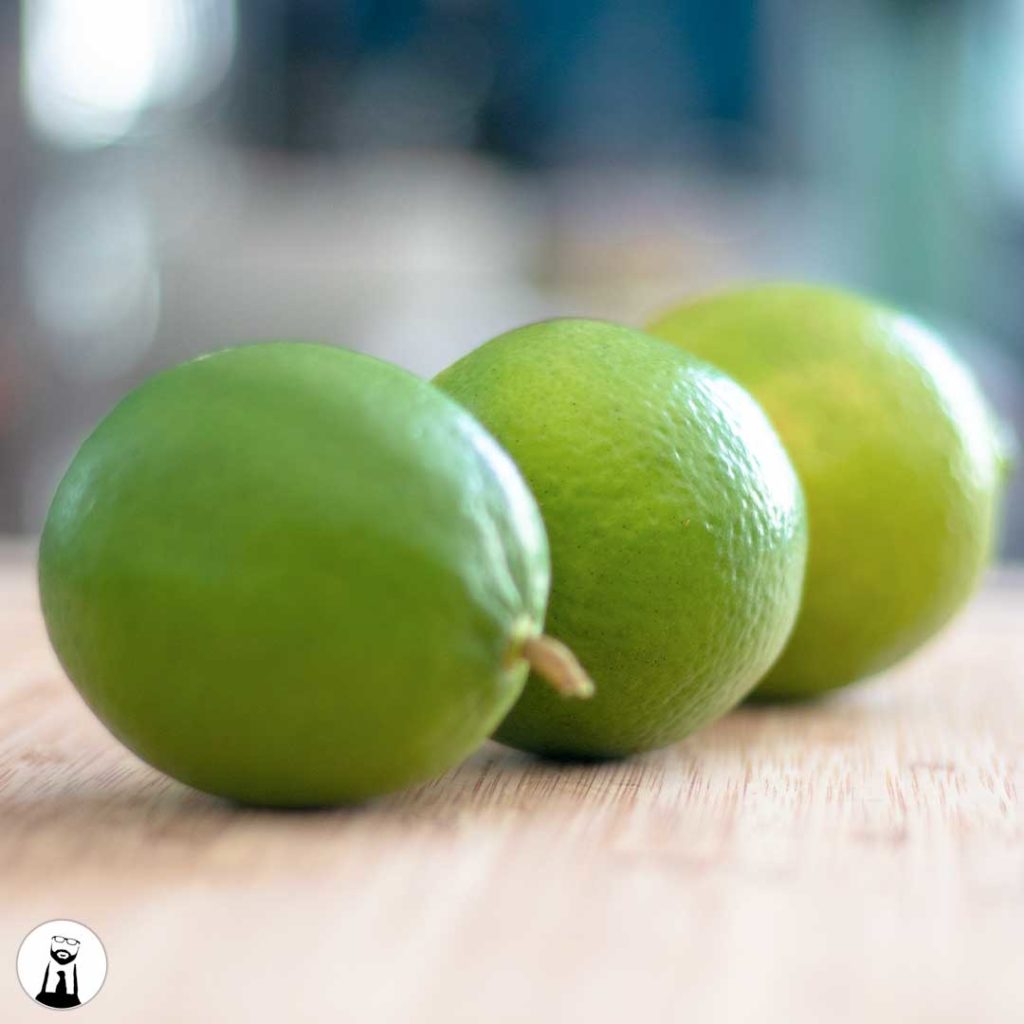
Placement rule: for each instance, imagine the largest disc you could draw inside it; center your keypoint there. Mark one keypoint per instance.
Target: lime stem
(557, 666)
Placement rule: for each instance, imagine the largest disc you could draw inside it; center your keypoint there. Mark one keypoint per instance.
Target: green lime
(675, 520)
(899, 458)
(294, 575)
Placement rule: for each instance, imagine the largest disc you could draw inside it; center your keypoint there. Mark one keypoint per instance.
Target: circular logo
(61, 964)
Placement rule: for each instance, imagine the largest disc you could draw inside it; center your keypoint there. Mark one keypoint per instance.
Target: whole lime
(675, 520)
(899, 459)
(294, 575)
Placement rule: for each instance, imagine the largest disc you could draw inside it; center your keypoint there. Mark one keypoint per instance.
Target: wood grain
(860, 859)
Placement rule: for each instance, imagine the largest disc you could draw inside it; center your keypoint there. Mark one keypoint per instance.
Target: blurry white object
(91, 67)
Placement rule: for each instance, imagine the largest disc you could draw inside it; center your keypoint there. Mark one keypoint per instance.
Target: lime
(294, 575)
(675, 520)
(899, 458)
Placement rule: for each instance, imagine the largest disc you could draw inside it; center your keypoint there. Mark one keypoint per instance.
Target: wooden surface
(857, 860)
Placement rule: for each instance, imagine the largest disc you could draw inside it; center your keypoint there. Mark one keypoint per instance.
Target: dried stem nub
(558, 666)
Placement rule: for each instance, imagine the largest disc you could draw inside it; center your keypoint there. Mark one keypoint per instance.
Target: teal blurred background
(409, 178)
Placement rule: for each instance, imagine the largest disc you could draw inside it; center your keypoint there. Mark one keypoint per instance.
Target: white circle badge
(61, 964)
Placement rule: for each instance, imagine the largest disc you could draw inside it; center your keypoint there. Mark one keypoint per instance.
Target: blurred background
(411, 177)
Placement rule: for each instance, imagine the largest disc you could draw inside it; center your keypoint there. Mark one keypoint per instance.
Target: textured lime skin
(293, 575)
(898, 457)
(675, 520)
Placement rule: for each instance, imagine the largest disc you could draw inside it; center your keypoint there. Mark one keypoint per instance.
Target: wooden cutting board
(859, 859)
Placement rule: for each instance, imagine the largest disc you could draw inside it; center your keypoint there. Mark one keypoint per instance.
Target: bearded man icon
(55, 990)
